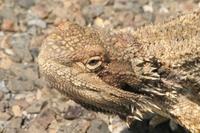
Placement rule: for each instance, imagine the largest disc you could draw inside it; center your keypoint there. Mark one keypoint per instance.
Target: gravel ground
(26, 104)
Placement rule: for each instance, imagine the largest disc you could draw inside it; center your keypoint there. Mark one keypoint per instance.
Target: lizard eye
(93, 63)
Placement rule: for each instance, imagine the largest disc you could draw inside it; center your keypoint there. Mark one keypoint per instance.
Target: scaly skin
(155, 68)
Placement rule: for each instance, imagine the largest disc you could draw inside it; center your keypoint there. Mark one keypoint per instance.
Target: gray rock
(3, 87)
(73, 112)
(20, 44)
(36, 107)
(25, 3)
(35, 129)
(4, 105)
(4, 116)
(98, 126)
(2, 34)
(10, 130)
(8, 96)
(77, 126)
(33, 30)
(127, 5)
(25, 72)
(37, 22)
(149, 16)
(1, 95)
(2, 126)
(4, 74)
(8, 13)
(42, 121)
(34, 52)
(17, 86)
(39, 83)
(15, 123)
(92, 11)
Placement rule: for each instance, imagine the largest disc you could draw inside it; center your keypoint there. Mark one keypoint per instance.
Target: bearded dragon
(155, 68)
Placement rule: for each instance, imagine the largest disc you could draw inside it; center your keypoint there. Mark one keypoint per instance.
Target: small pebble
(16, 111)
(4, 116)
(7, 25)
(1, 95)
(3, 87)
(37, 22)
(148, 8)
(25, 3)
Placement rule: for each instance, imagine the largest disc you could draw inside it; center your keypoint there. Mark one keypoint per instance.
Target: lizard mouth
(141, 90)
(130, 88)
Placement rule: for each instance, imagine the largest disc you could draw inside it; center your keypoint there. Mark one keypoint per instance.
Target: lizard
(155, 68)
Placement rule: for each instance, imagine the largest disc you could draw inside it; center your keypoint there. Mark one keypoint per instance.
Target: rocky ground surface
(26, 104)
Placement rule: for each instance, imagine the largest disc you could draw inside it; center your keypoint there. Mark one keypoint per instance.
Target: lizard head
(81, 63)
(89, 51)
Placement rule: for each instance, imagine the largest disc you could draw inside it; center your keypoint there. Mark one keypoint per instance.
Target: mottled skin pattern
(153, 69)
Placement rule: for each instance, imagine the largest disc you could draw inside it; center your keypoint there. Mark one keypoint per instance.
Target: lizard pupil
(93, 62)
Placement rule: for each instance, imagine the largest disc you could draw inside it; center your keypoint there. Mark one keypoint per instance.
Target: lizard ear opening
(94, 63)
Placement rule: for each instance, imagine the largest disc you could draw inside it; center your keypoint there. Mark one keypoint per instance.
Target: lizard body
(153, 69)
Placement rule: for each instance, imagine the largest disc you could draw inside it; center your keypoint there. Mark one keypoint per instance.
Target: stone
(15, 122)
(25, 3)
(5, 62)
(73, 112)
(36, 107)
(117, 125)
(9, 52)
(17, 111)
(34, 52)
(53, 127)
(40, 10)
(36, 129)
(139, 20)
(149, 17)
(30, 98)
(92, 11)
(1, 95)
(4, 105)
(102, 23)
(20, 43)
(99, 1)
(17, 86)
(163, 10)
(143, 2)
(148, 8)
(8, 13)
(39, 94)
(22, 103)
(98, 126)
(42, 121)
(135, 7)
(37, 22)
(7, 25)
(2, 126)
(11, 130)
(4, 116)
(8, 96)
(77, 126)
(25, 72)
(3, 87)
